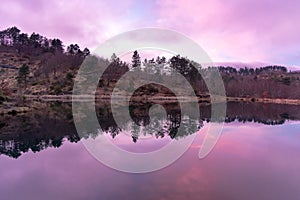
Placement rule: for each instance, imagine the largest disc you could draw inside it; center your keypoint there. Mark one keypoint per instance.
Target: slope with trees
(51, 68)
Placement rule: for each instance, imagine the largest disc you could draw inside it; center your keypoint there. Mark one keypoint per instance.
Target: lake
(256, 157)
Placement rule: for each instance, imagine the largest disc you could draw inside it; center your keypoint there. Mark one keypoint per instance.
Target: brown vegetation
(52, 70)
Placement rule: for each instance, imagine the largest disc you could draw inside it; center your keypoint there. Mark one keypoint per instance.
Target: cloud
(243, 30)
(73, 22)
(247, 31)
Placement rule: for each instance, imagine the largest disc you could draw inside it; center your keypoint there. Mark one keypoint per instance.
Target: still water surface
(43, 158)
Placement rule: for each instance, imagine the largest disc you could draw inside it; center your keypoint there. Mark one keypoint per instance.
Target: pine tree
(136, 60)
(23, 75)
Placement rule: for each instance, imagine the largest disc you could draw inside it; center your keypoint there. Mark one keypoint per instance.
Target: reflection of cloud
(143, 145)
(65, 173)
(248, 162)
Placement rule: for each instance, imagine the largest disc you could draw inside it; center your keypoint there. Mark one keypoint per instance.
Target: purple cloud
(265, 31)
(246, 30)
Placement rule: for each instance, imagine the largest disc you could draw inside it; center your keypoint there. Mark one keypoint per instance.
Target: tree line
(262, 82)
(58, 65)
(13, 37)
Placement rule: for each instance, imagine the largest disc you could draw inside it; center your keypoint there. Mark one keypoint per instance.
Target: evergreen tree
(86, 52)
(57, 45)
(114, 58)
(136, 60)
(73, 49)
(23, 75)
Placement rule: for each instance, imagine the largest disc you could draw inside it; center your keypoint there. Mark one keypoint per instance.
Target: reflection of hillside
(50, 124)
(269, 114)
(45, 127)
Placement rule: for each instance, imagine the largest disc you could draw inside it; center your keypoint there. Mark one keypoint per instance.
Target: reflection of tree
(106, 121)
(46, 127)
(140, 122)
(51, 124)
(269, 114)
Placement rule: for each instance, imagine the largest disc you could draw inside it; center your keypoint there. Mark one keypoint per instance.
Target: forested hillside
(36, 65)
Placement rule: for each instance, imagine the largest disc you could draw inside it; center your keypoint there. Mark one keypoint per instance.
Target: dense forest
(35, 65)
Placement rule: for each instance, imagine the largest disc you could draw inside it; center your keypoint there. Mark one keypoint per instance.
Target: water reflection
(48, 125)
(160, 125)
(250, 161)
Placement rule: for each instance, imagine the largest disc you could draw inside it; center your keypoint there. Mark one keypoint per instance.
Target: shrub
(69, 76)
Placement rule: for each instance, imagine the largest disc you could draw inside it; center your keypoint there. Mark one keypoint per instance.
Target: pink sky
(234, 30)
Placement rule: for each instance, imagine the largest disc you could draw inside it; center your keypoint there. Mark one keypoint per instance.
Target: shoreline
(69, 98)
(14, 109)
